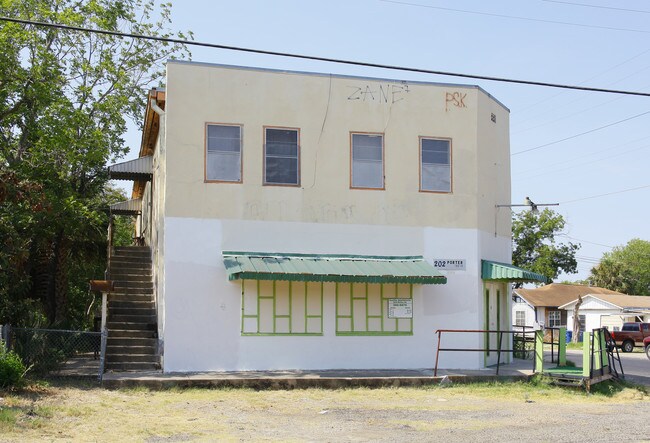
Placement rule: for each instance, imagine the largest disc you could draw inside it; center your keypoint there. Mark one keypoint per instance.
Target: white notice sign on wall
(400, 308)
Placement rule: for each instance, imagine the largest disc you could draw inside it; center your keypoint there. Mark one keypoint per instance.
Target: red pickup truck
(630, 335)
(646, 343)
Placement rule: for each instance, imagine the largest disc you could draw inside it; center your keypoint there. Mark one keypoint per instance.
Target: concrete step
(130, 267)
(125, 260)
(133, 277)
(126, 367)
(132, 304)
(117, 259)
(131, 296)
(130, 349)
(121, 284)
(134, 309)
(131, 326)
(131, 341)
(131, 318)
(131, 358)
(132, 250)
(132, 334)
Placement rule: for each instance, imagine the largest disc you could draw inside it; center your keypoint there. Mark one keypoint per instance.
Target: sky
(587, 151)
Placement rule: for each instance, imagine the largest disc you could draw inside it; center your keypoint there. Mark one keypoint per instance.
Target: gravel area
(500, 413)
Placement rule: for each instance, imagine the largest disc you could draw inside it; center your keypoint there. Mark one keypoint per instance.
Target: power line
(581, 134)
(597, 6)
(515, 17)
(572, 167)
(603, 195)
(323, 59)
(586, 241)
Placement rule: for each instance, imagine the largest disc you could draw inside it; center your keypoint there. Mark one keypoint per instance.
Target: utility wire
(515, 17)
(597, 6)
(581, 134)
(603, 195)
(322, 59)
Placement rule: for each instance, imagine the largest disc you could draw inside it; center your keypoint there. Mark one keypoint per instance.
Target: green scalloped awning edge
(495, 271)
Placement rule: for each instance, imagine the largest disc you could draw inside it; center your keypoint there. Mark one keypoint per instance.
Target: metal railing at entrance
(499, 349)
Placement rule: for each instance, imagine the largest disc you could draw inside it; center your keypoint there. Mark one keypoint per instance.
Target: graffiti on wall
(385, 94)
(456, 99)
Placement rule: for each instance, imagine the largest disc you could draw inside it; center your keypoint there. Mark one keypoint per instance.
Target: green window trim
(354, 329)
(273, 297)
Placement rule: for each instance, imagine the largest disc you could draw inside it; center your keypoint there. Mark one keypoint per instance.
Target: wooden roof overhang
(150, 131)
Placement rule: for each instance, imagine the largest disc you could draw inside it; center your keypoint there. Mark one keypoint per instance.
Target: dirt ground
(461, 413)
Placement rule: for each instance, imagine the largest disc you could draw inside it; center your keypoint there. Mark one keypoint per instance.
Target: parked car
(646, 343)
(630, 335)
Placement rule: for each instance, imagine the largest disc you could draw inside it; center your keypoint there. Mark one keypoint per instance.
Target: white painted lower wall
(202, 309)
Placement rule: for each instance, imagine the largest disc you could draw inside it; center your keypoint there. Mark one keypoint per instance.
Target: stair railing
(107, 276)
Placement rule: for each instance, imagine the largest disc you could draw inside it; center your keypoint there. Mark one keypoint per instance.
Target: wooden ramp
(574, 376)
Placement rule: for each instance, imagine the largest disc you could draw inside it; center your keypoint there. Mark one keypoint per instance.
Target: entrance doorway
(496, 319)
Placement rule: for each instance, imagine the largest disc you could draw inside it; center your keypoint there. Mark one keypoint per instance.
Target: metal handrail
(499, 349)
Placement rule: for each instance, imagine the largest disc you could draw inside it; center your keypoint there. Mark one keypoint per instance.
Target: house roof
(622, 301)
(558, 294)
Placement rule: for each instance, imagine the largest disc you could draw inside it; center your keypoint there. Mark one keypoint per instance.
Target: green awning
(491, 270)
(330, 268)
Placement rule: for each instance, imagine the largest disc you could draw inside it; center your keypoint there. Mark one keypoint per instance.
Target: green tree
(65, 98)
(535, 247)
(625, 269)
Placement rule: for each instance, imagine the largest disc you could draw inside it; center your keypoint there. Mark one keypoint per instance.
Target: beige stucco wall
(327, 109)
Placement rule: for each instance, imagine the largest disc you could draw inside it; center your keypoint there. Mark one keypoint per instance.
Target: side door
(495, 320)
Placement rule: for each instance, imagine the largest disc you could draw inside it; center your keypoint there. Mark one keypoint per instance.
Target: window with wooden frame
(554, 319)
(365, 309)
(435, 164)
(282, 308)
(281, 156)
(367, 159)
(223, 149)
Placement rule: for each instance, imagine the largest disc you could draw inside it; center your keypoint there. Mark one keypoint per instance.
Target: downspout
(156, 108)
(160, 316)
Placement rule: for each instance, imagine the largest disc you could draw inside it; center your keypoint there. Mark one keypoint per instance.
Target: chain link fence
(56, 353)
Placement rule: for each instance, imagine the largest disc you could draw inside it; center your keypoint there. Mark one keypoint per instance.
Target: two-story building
(314, 221)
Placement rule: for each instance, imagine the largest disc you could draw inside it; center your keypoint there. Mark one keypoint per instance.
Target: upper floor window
(367, 161)
(281, 156)
(435, 164)
(223, 153)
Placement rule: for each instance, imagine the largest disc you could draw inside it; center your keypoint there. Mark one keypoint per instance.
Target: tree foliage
(65, 97)
(535, 247)
(625, 269)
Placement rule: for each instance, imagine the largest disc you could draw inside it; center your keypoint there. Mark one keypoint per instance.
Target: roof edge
(323, 74)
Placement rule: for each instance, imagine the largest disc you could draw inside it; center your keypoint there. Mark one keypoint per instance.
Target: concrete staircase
(132, 321)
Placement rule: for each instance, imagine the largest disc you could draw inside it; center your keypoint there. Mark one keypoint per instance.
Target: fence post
(5, 334)
(102, 350)
(539, 350)
(561, 351)
(586, 355)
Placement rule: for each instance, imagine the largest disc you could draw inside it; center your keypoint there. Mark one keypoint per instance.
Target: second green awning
(330, 268)
(491, 270)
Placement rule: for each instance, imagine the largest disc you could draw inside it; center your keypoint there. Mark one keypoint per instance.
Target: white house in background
(317, 221)
(543, 304)
(609, 310)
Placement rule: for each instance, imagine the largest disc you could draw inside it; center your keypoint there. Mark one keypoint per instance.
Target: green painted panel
(491, 270)
(330, 268)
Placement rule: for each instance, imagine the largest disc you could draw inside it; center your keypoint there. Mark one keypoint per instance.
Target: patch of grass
(8, 418)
